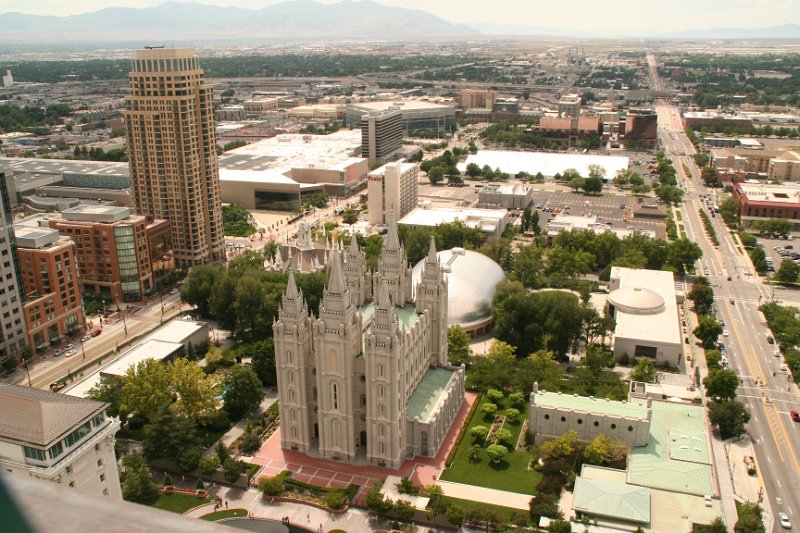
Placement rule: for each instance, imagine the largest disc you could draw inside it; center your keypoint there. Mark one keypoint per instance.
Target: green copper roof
(611, 499)
(676, 457)
(407, 315)
(590, 405)
(426, 395)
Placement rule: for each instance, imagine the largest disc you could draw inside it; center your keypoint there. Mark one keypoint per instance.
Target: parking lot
(610, 208)
(777, 256)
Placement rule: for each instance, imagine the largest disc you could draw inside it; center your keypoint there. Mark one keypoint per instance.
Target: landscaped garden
(473, 463)
(179, 503)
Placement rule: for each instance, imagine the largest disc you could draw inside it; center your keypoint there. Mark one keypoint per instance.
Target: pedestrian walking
(226, 504)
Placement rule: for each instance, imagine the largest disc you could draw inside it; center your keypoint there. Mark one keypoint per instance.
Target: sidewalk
(238, 429)
(724, 481)
(306, 516)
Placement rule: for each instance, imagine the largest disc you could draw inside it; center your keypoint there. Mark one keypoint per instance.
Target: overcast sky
(658, 15)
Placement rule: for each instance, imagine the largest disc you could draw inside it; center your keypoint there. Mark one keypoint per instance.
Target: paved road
(766, 389)
(44, 371)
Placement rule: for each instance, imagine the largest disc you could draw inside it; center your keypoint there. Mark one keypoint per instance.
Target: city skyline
(580, 15)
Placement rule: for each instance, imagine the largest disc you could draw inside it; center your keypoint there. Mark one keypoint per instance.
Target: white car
(724, 332)
(783, 518)
(70, 353)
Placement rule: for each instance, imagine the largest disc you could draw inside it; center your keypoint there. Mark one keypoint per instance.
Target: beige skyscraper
(169, 122)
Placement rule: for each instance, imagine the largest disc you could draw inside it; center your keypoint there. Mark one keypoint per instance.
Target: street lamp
(25, 364)
(119, 311)
(83, 352)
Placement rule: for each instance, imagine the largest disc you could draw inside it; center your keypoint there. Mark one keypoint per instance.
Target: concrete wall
(667, 354)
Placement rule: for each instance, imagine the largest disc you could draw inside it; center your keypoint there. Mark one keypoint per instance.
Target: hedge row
(463, 430)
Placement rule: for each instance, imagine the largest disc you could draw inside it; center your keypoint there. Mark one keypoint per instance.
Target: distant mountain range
(298, 20)
(785, 31)
(293, 20)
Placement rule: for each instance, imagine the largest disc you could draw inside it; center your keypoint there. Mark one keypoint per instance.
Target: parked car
(795, 416)
(750, 464)
(87, 338)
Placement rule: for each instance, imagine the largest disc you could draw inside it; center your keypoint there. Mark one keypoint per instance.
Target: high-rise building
(12, 297)
(169, 122)
(391, 188)
(381, 135)
(368, 380)
(53, 309)
(569, 106)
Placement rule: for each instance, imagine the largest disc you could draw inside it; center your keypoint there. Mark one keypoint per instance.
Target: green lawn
(510, 474)
(508, 513)
(227, 513)
(179, 503)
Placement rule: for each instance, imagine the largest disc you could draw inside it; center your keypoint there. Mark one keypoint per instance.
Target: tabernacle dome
(471, 281)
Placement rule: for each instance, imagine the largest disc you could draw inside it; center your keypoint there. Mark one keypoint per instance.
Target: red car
(795, 416)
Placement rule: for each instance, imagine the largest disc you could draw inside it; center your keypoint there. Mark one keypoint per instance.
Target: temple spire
(291, 287)
(336, 282)
(392, 239)
(432, 251)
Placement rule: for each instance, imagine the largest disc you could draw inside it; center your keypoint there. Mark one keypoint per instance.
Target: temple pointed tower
(294, 361)
(356, 274)
(386, 369)
(431, 296)
(393, 267)
(337, 343)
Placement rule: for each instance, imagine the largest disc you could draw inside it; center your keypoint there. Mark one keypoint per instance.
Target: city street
(765, 389)
(44, 371)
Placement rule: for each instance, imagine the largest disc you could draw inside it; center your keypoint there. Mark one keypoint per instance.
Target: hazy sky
(658, 15)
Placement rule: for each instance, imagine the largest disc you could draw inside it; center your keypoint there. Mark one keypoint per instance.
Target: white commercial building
(491, 221)
(391, 188)
(643, 304)
(58, 438)
(548, 163)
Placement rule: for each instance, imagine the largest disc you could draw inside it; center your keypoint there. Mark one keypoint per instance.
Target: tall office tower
(169, 122)
(381, 135)
(12, 296)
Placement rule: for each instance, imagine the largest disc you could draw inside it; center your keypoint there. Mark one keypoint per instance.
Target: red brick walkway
(327, 473)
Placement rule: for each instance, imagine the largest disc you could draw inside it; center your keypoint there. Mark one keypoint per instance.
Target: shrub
(167, 480)
(271, 486)
(517, 399)
(209, 465)
(461, 432)
(403, 509)
(220, 422)
(488, 409)
(503, 436)
(512, 414)
(334, 499)
(479, 433)
(496, 452)
(494, 395)
(249, 444)
(187, 460)
(232, 469)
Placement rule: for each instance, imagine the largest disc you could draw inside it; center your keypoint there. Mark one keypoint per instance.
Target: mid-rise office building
(12, 320)
(58, 438)
(119, 255)
(569, 106)
(169, 122)
(381, 135)
(477, 98)
(419, 116)
(53, 309)
(392, 188)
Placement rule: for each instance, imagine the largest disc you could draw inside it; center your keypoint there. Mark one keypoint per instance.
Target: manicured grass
(179, 503)
(337, 531)
(508, 513)
(510, 474)
(227, 513)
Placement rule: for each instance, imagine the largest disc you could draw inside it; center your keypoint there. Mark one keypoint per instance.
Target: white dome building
(471, 281)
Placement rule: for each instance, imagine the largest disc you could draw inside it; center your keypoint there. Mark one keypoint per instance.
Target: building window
(68, 470)
(72, 484)
(613, 426)
(55, 450)
(547, 417)
(33, 453)
(99, 462)
(102, 478)
(630, 428)
(335, 396)
(97, 447)
(563, 418)
(596, 424)
(580, 421)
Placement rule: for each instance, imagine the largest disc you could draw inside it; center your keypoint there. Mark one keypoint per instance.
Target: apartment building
(477, 98)
(58, 438)
(569, 106)
(119, 255)
(169, 122)
(53, 308)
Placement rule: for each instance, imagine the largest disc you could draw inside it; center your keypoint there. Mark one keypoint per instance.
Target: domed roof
(637, 301)
(471, 281)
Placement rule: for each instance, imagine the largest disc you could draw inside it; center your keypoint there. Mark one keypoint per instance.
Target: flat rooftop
(404, 167)
(177, 331)
(677, 456)
(486, 220)
(786, 194)
(150, 349)
(652, 325)
(613, 498)
(403, 105)
(428, 394)
(585, 404)
(547, 163)
(60, 166)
